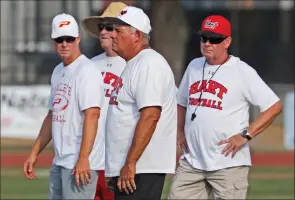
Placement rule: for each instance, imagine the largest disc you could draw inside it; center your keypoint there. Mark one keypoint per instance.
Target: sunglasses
(212, 40)
(68, 39)
(108, 27)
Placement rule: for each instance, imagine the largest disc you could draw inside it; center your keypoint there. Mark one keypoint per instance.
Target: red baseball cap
(216, 24)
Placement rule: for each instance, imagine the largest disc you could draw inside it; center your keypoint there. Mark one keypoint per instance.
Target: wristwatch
(246, 134)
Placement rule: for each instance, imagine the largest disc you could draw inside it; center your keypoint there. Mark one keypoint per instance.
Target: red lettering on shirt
(209, 103)
(56, 101)
(213, 87)
(110, 79)
(113, 99)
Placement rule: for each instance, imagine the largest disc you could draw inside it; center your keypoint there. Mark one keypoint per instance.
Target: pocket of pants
(240, 189)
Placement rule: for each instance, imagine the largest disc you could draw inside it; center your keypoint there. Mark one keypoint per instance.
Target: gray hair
(145, 36)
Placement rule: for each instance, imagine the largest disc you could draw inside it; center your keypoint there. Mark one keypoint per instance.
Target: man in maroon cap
(213, 118)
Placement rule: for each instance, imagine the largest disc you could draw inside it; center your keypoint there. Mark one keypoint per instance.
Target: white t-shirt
(74, 88)
(147, 80)
(111, 69)
(223, 111)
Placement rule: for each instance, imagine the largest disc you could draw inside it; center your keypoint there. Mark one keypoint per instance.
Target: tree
(170, 33)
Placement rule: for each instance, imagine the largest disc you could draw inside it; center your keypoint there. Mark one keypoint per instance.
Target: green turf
(15, 186)
(260, 189)
(272, 169)
(271, 189)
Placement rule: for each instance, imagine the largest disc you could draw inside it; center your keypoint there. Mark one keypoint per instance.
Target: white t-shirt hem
(97, 168)
(220, 168)
(164, 171)
(215, 167)
(69, 163)
(72, 167)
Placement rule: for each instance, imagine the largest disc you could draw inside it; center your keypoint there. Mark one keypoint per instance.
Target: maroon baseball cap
(216, 25)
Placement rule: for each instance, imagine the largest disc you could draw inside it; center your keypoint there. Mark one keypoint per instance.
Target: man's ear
(138, 36)
(227, 42)
(78, 39)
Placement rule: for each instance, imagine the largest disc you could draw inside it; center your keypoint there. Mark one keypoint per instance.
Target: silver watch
(246, 134)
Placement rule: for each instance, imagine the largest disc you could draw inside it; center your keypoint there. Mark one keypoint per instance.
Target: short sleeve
(90, 90)
(182, 94)
(176, 89)
(150, 86)
(257, 92)
(50, 98)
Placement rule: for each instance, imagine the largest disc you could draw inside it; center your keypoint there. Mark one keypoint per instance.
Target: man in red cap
(213, 118)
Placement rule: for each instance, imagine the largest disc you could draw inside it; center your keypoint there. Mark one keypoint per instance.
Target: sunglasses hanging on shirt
(203, 72)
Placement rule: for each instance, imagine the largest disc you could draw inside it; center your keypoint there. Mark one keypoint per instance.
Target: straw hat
(90, 23)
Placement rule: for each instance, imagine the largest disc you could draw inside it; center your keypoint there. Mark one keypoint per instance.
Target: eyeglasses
(108, 27)
(68, 39)
(212, 40)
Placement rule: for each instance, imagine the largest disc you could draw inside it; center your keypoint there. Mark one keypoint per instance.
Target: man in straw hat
(111, 66)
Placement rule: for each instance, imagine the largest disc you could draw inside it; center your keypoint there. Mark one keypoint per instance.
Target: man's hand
(181, 143)
(126, 180)
(234, 143)
(82, 171)
(42, 140)
(29, 167)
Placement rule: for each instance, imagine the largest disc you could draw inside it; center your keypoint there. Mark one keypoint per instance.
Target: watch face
(245, 135)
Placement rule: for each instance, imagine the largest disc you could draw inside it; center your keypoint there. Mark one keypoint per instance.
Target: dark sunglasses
(212, 40)
(108, 27)
(68, 39)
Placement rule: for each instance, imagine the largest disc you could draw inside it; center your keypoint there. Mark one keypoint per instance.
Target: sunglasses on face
(212, 40)
(108, 27)
(68, 39)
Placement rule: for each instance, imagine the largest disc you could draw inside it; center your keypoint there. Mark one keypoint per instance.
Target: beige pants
(191, 183)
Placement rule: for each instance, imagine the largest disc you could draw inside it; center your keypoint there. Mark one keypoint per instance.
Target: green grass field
(264, 183)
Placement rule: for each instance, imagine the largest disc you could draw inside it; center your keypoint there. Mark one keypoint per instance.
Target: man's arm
(89, 131)
(144, 131)
(181, 112)
(260, 124)
(41, 142)
(265, 119)
(181, 141)
(90, 125)
(44, 136)
(145, 128)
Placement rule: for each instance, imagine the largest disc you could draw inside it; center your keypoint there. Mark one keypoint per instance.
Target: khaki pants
(191, 183)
